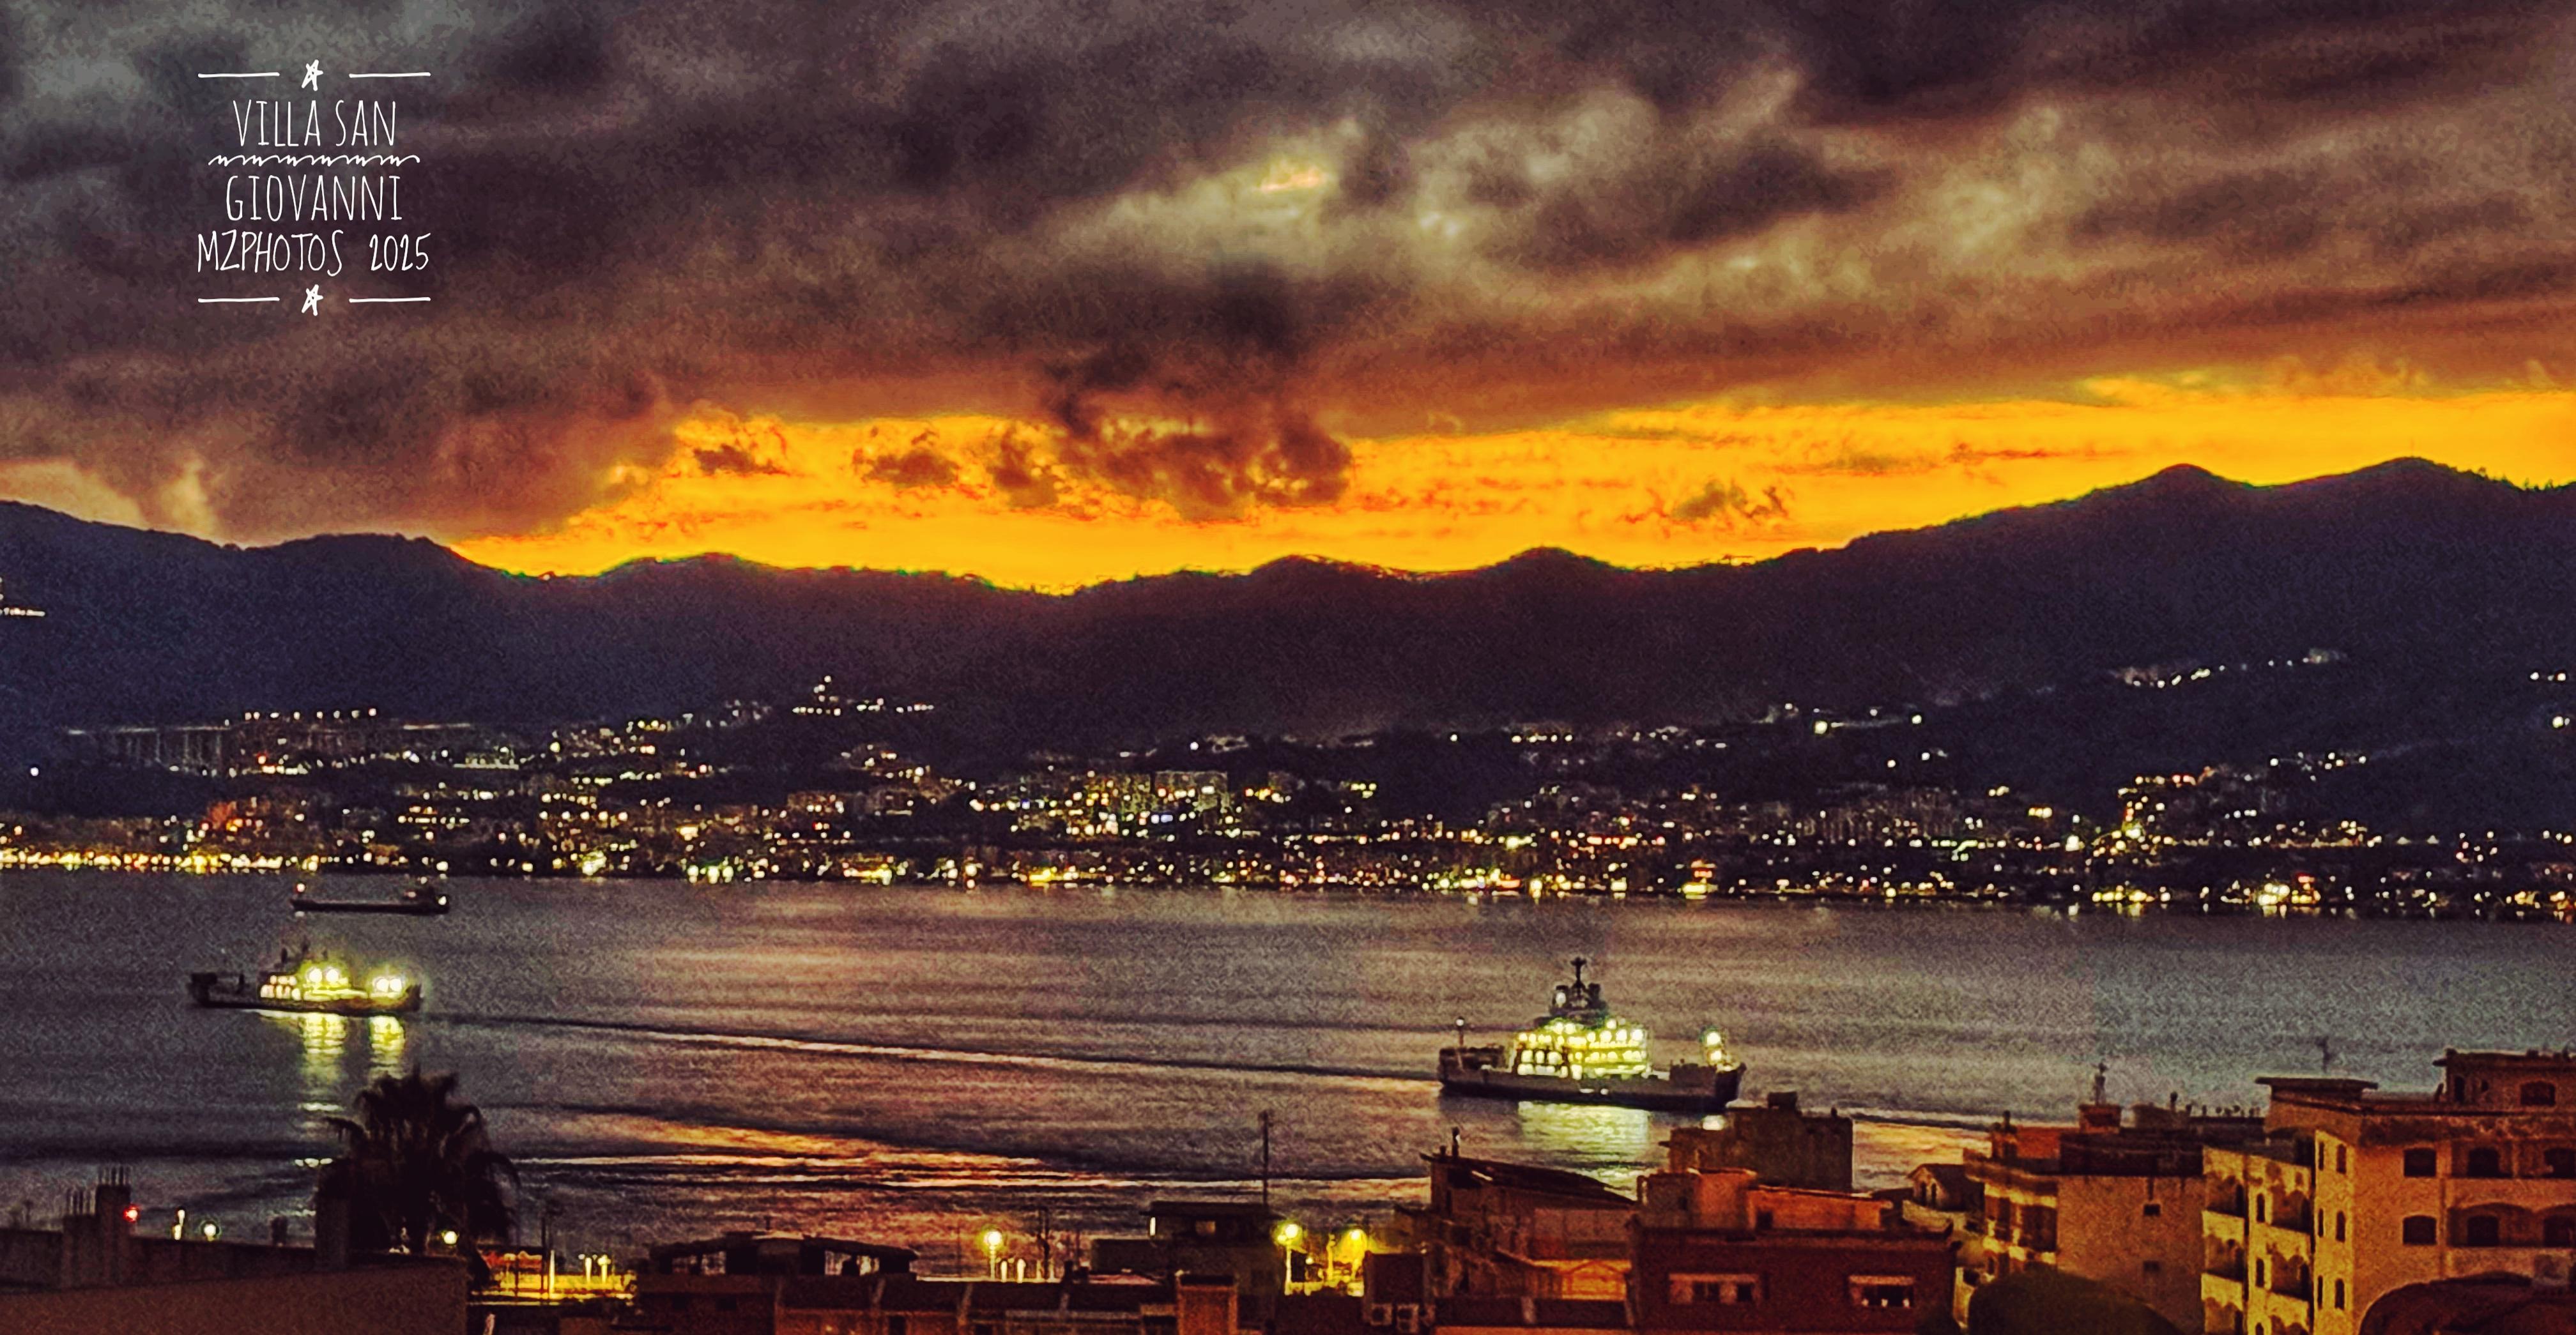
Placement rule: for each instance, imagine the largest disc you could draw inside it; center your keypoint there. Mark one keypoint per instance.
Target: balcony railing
(2231, 1206)
(2230, 1270)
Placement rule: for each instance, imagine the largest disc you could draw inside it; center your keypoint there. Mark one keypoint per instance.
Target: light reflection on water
(1603, 1140)
(385, 1045)
(325, 1045)
(666, 1060)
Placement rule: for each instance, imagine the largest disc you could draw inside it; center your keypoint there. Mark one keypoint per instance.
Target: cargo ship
(1581, 1053)
(420, 901)
(308, 982)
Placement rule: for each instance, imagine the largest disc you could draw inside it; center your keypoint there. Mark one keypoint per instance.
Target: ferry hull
(217, 992)
(1699, 1090)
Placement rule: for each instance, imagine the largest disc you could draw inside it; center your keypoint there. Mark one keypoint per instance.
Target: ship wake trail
(826, 1045)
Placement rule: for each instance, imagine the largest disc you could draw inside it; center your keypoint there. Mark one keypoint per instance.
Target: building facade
(2356, 1193)
(1781, 1144)
(1509, 1230)
(2115, 1201)
(1718, 1251)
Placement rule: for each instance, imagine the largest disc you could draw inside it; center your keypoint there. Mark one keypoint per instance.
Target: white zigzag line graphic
(317, 159)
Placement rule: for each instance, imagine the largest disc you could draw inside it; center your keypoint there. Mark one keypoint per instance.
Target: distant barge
(420, 901)
(1581, 1053)
(307, 983)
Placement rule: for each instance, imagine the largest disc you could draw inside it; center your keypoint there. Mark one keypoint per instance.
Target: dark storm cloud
(1227, 358)
(1682, 197)
(646, 210)
(1726, 504)
(918, 464)
(1865, 60)
(2273, 211)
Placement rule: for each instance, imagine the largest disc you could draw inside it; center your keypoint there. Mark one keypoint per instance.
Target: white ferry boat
(1581, 1053)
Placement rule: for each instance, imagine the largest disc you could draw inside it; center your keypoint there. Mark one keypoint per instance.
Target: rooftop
(1210, 1210)
(1524, 1177)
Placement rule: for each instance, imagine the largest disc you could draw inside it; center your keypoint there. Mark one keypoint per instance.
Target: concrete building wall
(1697, 1282)
(2140, 1235)
(1782, 1145)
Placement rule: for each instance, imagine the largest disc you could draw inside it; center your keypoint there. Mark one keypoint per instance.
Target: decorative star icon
(313, 74)
(313, 300)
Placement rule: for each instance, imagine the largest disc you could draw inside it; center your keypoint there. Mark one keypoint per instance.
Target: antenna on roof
(2325, 1054)
(1579, 962)
(2101, 1076)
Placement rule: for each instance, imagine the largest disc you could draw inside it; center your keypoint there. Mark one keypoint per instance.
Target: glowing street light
(992, 1251)
(1288, 1232)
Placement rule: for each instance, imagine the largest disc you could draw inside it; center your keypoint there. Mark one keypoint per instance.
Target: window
(2341, 1165)
(2481, 1230)
(2151, 1267)
(2338, 1225)
(2153, 1208)
(2419, 1163)
(2485, 1162)
(1729, 1290)
(2417, 1230)
(2559, 1163)
(726, 1304)
(2539, 1094)
(894, 1325)
(2260, 1280)
(2338, 1295)
(1882, 1291)
(2262, 1209)
(2559, 1231)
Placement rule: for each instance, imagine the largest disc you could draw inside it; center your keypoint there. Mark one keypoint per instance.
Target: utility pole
(1265, 1158)
(547, 1213)
(1046, 1243)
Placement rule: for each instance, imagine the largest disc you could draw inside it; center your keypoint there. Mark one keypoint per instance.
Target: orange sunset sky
(1061, 291)
(1630, 486)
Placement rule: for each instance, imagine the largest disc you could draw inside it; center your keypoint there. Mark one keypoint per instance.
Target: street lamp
(992, 1252)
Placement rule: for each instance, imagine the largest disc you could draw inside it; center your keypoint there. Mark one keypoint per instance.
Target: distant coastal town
(828, 784)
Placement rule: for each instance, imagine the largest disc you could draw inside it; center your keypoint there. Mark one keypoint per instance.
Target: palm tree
(419, 1164)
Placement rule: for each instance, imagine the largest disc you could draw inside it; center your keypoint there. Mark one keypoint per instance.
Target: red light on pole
(133, 1212)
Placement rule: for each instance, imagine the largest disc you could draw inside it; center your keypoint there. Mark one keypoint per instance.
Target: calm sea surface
(917, 1064)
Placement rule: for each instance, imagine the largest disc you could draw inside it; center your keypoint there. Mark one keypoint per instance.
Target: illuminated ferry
(1581, 1053)
(303, 980)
